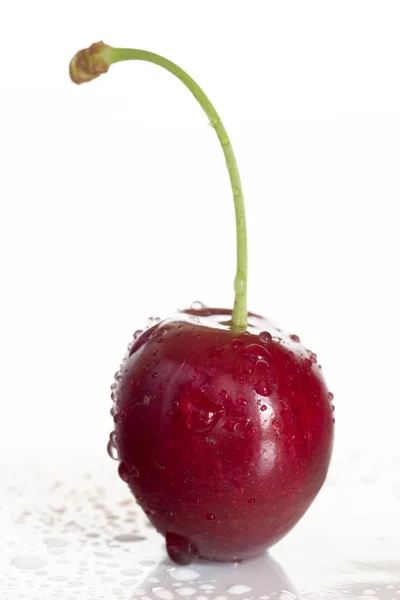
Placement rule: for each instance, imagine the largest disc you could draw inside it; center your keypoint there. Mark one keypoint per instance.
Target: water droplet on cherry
(112, 446)
(199, 412)
(210, 517)
(330, 396)
(295, 338)
(255, 353)
(180, 549)
(137, 334)
(123, 471)
(237, 344)
(263, 408)
(263, 389)
(265, 337)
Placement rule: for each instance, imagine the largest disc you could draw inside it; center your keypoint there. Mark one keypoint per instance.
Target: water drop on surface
(295, 338)
(263, 408)
(236, 344)
(210, 517)
(183, 573)
(238, 589)
(28, 562)
(255, 353)
(186, 591)
(265, 337)
(123, 471)
(330, 396)
(197, 305)
(263, 389)
(206, 586)
(163, 593)
(199, 413)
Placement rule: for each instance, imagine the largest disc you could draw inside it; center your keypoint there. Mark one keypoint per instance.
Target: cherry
(223, 422)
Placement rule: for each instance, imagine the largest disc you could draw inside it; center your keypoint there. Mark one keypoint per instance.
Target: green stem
(89, 63)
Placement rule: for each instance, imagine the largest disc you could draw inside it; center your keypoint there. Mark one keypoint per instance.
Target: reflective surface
(67, 531)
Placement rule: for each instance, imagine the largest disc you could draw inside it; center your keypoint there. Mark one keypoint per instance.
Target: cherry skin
(224, 438)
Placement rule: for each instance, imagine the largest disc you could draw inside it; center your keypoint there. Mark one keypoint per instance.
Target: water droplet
(179, 573)
(197, 305)
(263, 389)
(265, 337)
(251, 501)
(308, 364)
(238, 589)
(295, 338)
(256, 353)
(186, 591)
(199, 412)
(275, 424)
(150, 322)
(160, 340)
(207, 586)
(137, 333)
(123, 472)
(210, 517)
(163, 593)
(330, 396)
(181, 551)
(263, 408)
(28, 562)
(111, 446)
(127, 537)
(369, 593)
(313, 357)
(237, 344)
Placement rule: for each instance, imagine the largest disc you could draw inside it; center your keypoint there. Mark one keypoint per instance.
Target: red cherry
(223, 423)
(224, 444)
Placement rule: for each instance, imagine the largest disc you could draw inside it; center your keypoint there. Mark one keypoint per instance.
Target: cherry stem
(91, 62)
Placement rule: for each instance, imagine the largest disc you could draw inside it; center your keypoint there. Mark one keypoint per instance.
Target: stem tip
(89, 63)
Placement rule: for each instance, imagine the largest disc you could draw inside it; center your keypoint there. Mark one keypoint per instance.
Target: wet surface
(69, 533)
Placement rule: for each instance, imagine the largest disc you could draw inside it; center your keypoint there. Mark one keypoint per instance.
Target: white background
(115, 202)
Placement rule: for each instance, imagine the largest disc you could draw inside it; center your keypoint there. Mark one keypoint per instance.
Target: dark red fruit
(224, 438)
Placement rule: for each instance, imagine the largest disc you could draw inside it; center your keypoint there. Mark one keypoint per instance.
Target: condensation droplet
(236, 344)
(197, 305)
(330, 396)
(181, 551)
(163, 593)
(295, 338)
(263, 408)
(207, 586)
(186, 591)
(238, 589)
(28, 562)
(184, 574)
(111, 446)
(199, 412)
(210, 517)
(265, 337)
(255, 353)
(123, 471)
(263, 389)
